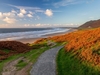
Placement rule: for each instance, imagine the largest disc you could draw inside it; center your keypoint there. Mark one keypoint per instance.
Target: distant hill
(90, 24)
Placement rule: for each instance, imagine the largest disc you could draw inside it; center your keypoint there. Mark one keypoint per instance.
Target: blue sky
(47, 13)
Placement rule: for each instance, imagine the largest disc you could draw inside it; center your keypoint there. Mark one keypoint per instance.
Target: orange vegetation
(84, 43)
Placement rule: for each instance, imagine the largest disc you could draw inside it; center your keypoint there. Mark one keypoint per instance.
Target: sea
(24, 33)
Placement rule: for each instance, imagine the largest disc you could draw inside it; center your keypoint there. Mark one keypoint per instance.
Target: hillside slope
(82, 47)
(84, 44)
(90, 24)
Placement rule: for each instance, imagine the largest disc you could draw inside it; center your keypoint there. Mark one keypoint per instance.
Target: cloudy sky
(47, 13)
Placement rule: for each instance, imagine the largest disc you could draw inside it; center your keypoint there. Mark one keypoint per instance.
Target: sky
(47, 13)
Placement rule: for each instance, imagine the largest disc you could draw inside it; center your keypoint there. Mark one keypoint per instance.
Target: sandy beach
(31, 40)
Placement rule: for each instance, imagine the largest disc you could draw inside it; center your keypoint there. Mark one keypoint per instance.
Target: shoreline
(32, 40)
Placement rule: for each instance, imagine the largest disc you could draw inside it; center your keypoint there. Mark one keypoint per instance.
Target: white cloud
(20, 15)
(24, 7)
(13, 11)
(29, 15)
(67, 2)
(8, 14)
(36, 9)
(30, 12)
(26, 25)
(23, 11)
(49, 12)
(39, 10)
(38, 25)
(9, 20)
(8, 17)
(1, 16)
(4, 25)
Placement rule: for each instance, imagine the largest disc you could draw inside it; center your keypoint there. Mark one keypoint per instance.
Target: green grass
(6, 50)
(2, 63)
(34, 54)
(31, 56)
(67, 64)
(21, 64)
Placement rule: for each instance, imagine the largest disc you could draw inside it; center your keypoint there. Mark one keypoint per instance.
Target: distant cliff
(90, 24)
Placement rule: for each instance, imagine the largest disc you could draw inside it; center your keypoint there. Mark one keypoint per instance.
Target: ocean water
(20, 33)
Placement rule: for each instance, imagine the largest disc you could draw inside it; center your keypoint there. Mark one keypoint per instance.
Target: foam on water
(30, 34)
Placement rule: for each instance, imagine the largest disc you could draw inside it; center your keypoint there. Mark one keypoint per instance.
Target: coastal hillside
(80, 55)
(82, 47)
(85, 44)
(90, 24)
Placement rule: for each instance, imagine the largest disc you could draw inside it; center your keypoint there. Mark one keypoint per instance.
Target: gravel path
(46, 64)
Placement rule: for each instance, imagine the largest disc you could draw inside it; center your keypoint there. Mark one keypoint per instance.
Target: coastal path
(46, 63)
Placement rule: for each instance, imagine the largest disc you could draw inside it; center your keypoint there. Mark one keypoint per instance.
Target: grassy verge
(33, 55)
(30, 57)
(2, 63)
(67, 64)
